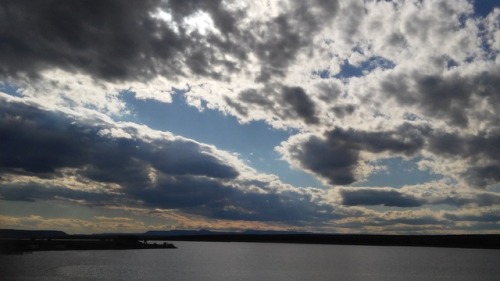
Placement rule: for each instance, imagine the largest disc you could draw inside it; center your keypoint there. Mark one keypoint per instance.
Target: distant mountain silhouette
(181, 232)
(271, 232)
(203, 232)
(27, 234)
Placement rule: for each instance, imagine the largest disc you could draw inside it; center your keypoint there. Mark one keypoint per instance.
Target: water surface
(257, 261)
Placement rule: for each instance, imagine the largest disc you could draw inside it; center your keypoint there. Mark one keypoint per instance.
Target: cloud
(291, 103)
(434, 193)
(40, 142)
(122, 163)
(356, 81)
(126, 44)
(83, 55)
(76, 225)
(142, 40)
(341, 155)
(450, 97)
(288, 33)
(301, 104)
(337, 156)
(211, 199)
(480, 199)
(31, 192)
(422, 220)
(480, 151)
(488, 215)
(369, 197)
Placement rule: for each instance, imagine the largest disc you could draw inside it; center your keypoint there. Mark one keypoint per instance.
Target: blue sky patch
(348, 70)
(398, 173)
(254, 142)
(10, 89)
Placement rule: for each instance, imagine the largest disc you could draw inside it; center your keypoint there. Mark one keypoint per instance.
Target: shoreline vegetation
(25, 241)
(20, 246)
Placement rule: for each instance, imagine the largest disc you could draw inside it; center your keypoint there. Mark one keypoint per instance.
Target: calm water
(254, 261)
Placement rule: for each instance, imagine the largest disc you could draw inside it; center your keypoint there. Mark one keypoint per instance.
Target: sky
(324, 116)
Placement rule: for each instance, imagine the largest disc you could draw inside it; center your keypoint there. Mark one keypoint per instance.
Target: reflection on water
(255, 261)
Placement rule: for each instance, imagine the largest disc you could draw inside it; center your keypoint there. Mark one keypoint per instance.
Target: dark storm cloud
(295, 210)
(476, 149)
(211, 198)
(290, 32)
(252, 96)
(489, 217)
(392, 197)
(108, 39)
(279, 48)
(370, 197)
(343, 110)
(301, 104)
(31, 192)
(286, 102)
(33, 141)
(446, 97)
(154, 173)
(336, 156)
(482, 176)
(328, 159)
(41, 142)
(480, 199)
(243, 111)
(121, 40)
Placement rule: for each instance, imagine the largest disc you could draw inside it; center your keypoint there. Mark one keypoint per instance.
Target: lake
(257, 261)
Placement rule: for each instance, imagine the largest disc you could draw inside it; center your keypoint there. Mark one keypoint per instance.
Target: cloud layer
(357, 83)
(112, 163)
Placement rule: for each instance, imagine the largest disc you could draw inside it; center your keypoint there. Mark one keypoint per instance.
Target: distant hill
(204, 232)
(27, 234)
(182, 232)
(272, 232)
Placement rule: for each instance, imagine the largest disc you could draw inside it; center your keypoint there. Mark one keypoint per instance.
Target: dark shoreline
(21, 246)
(19, 241)
(448, 241)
